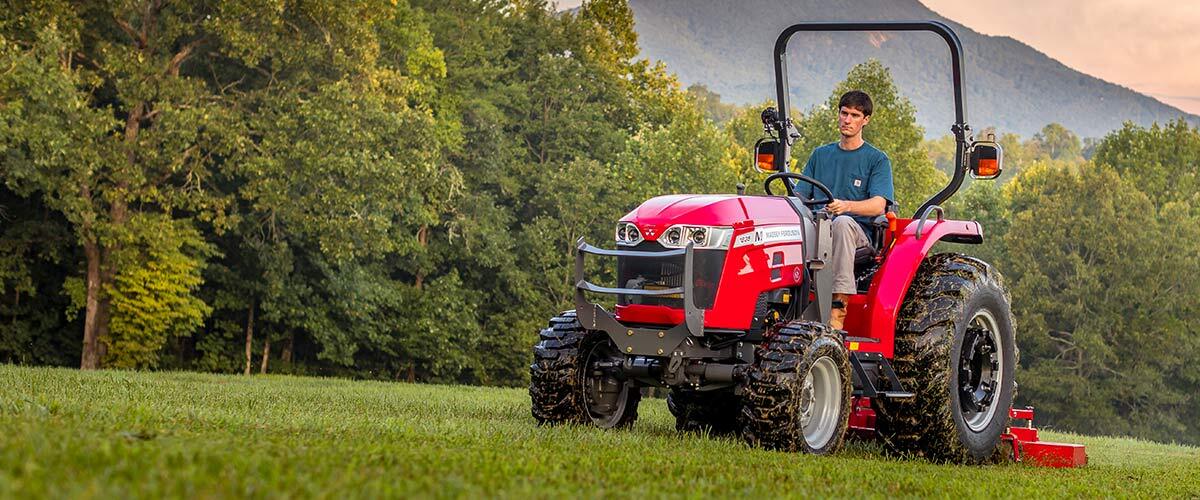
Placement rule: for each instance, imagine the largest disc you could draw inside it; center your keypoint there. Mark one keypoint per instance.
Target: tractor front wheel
(575, 377)
(956, 351)
(796, 396)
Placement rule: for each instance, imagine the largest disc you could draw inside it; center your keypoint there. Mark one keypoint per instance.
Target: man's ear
(866, 120)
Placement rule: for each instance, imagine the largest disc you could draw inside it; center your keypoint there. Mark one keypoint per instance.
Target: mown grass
(65, 433)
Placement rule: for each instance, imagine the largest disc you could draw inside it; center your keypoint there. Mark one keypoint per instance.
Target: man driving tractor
(860, 177)
(723, 299)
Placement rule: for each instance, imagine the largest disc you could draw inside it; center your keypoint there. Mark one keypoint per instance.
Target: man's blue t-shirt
(855, 175)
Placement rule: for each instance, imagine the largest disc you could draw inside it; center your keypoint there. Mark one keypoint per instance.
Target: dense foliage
(393, 190)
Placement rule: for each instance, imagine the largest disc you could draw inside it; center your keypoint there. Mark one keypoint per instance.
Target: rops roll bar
(960, 129)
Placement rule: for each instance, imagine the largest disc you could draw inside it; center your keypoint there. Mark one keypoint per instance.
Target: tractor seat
(864, 255)
(864, 258)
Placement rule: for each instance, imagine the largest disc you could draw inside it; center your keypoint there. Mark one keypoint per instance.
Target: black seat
(864, 255)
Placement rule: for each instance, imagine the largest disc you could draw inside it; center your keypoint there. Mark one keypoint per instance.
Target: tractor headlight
(628, 234)
(699, 236)
(673, 236)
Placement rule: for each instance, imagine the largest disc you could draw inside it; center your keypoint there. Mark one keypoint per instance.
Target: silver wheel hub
(820, 402)
(980, 371)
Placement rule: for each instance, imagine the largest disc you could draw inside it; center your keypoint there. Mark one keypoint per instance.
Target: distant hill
(726, 46)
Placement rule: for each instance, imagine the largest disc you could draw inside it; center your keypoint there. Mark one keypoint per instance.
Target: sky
(1151, 46)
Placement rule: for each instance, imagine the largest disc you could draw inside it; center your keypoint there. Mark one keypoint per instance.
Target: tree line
(392, 190)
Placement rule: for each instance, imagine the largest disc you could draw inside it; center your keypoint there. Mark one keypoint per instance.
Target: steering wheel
(790, 192)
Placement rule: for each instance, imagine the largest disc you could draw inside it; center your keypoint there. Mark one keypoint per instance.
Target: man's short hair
(857, 99)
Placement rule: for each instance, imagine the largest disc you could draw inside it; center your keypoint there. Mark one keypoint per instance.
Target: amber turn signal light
(765, 161)
(987, 167)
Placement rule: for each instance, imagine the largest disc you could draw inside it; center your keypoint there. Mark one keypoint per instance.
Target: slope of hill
(727, 47)
(71, 434)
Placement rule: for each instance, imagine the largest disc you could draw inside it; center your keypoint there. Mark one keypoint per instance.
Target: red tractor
(724, 299)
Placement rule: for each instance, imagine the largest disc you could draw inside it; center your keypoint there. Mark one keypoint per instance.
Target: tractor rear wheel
(956, 351)
(575, 378)
(715, 412)
(797, 392)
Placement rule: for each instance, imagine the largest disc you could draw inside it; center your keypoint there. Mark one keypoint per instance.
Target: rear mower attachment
(1028, 448)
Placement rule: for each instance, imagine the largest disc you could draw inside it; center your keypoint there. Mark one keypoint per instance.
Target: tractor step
(895, 394)
(881, 368)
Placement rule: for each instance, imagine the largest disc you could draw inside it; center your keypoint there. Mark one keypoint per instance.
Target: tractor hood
(659, 213)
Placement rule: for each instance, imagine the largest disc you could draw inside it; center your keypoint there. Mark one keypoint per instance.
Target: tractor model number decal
(770, 235)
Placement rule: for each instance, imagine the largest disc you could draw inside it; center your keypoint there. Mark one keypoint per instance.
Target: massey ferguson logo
(770, 235)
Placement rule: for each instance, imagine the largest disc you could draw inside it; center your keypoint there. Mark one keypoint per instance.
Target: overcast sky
(1152, 47)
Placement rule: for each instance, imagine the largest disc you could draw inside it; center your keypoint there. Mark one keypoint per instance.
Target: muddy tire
(715, 412)
(796, 396)
(562, 389)
(956, 351)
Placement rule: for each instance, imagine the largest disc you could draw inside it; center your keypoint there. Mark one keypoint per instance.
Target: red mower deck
(1028, 448)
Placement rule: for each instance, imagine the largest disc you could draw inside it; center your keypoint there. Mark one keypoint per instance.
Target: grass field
(115, 434)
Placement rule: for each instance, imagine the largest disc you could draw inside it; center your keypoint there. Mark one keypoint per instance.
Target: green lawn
(113, 434)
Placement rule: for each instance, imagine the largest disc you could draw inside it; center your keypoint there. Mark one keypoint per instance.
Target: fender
(899, 267)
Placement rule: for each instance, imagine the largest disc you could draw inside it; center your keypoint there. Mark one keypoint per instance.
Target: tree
(709, 101)
(200, 116)
(153, 296)
(1016, 156)
(941, 151)
(36, 255)
(1161, 160)
(321, 214)
(1095, 270)
(99, 122)
(1056, 142)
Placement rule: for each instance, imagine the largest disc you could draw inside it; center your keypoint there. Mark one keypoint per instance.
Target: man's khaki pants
(848, 237)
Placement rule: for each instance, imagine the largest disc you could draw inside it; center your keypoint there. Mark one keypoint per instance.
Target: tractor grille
(659, 273)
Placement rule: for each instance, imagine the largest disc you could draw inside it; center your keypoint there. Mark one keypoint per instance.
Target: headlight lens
(673, 236)
(628, 234)
(699, 236)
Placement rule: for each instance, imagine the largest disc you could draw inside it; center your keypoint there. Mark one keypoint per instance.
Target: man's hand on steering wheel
(839, 207)
(791, 192)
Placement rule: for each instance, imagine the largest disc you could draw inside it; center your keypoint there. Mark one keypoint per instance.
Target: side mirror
(986, 159)
(765, 152)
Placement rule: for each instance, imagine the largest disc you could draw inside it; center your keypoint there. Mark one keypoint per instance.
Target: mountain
(727, 46)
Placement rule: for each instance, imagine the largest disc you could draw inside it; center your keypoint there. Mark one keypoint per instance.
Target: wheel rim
(820, 402)
(605, 396)
(980, 371)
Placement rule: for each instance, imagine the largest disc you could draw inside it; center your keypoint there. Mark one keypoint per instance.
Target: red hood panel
(657, 214)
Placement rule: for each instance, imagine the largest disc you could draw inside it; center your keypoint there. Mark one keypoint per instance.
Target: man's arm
(871, 207)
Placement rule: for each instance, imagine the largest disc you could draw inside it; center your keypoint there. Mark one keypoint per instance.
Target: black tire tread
(924, 425)
(770, 408)
(555, 381)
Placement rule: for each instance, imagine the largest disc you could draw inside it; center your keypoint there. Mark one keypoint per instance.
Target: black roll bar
(960, 129)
